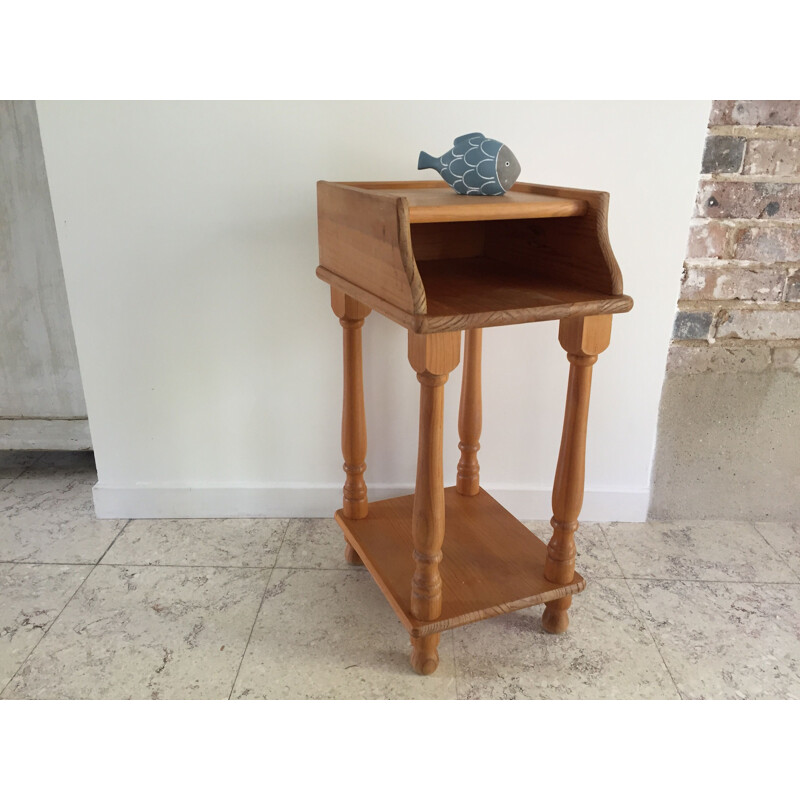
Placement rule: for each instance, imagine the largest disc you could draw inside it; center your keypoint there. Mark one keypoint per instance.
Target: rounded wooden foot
(424, 656)
(468, 486)
(351, 556)
(555, 618)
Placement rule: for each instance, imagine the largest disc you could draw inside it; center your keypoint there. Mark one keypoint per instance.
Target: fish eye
(508, 163)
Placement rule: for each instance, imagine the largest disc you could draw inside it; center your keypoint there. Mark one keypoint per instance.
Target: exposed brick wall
(739, 306)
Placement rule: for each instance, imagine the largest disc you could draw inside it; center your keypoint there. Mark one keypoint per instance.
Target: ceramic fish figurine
(475, 165)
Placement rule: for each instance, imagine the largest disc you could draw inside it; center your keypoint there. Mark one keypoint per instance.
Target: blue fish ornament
(475, 165)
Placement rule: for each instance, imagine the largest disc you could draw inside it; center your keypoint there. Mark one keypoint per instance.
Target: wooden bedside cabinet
(439, 263)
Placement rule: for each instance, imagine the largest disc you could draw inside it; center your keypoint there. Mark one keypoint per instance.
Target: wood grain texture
(438, 263)
(470, 416)
(351, 315)
(443, 205)
(365, 237)
(447, 240)
(351, 556)
(434, 353)
(583, 340)
(425, 653)
(378, 240)
(577, 249)
(346, 307)
(483, 290)
(435, 201)
(433, 357)
(585, 337)
(492, 564)
(540, 300)
(427, 515)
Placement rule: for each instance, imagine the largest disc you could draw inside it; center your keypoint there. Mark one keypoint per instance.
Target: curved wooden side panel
(418, 297)
(576, 249)
(366, 239)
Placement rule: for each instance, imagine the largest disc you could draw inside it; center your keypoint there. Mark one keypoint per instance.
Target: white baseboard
(306, 500)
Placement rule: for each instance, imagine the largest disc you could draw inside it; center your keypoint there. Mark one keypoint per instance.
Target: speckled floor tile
(330, 634)
(56, 526)
(594, 558)
(67, 461)
(146, 632)
(785, 539)
(199, 542)
(31, 597)
(726, 640)
(54, 472)
(719, 602)
(13, 463)
(606, 653)
(312, 544)
(706, 550)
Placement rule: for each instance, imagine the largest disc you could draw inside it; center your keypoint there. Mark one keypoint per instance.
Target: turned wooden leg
(433, 356)
(351, 315)
(425, 655)
(469, 415)
(583, 338)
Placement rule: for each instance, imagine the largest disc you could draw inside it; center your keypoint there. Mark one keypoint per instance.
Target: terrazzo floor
(268, 608)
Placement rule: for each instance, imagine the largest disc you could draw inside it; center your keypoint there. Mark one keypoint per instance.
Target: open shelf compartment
(491, 564)
(434, 261)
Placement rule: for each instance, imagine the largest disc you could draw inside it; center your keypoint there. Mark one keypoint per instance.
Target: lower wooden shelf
(491, 564)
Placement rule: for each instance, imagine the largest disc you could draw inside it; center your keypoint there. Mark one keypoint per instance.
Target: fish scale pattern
(470, 167)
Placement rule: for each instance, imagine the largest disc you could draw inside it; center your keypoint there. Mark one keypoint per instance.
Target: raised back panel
(553, 249)
(435, 240)
(574, 250)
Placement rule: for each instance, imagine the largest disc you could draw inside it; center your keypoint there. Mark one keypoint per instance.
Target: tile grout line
(250, 635)
(58, 616)
(641, 611)
(113, 542)
(655, 642)
(258, 610)
(782, 559)
(20, 473)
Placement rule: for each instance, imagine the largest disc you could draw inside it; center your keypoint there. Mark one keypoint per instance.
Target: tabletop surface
(435, 201)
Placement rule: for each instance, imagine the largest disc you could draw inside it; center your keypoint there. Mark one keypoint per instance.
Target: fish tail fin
(427, 161)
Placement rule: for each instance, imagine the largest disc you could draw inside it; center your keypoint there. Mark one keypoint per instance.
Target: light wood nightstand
(439, 263)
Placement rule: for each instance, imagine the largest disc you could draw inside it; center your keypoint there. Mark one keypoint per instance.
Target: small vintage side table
(439, 263)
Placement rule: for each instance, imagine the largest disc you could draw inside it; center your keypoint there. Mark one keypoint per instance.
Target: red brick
(778, 157)
(707, 240)
(741, 200)
(767, 244)
(755, 112)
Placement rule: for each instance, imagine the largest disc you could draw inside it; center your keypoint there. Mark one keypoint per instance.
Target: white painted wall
(211, 359)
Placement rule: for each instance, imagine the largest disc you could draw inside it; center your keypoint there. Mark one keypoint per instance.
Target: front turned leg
(583, 338)
(351, 315)
(433, 357)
